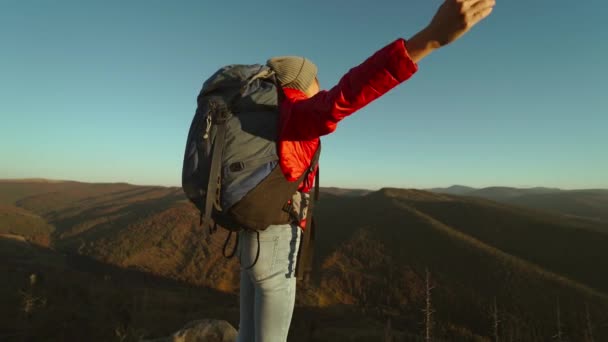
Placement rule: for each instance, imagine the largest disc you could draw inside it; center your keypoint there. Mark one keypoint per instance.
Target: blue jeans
(268, 289)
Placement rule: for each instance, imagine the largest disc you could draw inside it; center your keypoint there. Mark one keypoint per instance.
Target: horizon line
(53, 180)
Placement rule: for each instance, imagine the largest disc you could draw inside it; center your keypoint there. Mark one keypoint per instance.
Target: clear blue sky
(104, 91)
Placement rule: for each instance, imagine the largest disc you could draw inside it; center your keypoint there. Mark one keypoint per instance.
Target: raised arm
(319, 115)
(313, 117)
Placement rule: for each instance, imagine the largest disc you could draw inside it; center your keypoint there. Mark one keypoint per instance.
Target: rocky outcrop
(205, 330)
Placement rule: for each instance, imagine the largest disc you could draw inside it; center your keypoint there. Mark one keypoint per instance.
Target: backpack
(230, 169)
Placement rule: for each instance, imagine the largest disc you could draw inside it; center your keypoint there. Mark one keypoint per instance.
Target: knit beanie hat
(293, 72)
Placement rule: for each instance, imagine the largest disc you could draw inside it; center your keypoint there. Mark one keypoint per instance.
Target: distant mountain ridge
(31, 180)
(344, 192)
(585, 203)
(493, 190)
(453, 190)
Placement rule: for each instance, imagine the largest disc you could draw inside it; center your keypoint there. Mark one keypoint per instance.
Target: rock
(205, 330)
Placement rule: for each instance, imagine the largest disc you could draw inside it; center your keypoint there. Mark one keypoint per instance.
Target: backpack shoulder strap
(304, 265)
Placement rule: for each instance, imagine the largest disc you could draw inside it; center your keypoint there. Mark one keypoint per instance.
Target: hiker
(266, 198)
(267, 293)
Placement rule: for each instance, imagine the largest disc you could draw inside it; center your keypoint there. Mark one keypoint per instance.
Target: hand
(456, 17)
(453, 19)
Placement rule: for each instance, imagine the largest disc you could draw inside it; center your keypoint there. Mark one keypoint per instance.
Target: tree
(588, 325)
(496, 320)
(559, 336)
(29, 300)
(428, 310)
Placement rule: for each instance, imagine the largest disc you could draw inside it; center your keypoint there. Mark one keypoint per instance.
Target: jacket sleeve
(310, 118)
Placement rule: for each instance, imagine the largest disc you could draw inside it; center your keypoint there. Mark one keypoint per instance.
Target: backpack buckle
(288, 206)
(236, 167)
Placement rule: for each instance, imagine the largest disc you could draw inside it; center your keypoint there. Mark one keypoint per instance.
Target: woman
(267, 293)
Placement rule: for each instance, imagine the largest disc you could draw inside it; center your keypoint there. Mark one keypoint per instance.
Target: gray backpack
(230, 170)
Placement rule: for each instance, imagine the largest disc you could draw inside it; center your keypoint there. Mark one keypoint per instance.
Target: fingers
(480, 10)
(482, 5)
(475, 5)
(480, 15)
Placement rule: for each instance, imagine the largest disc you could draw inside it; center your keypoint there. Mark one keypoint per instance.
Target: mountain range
(527, 255)
(587, 203)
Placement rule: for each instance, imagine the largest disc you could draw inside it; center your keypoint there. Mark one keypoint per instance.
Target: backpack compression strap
(213, 187)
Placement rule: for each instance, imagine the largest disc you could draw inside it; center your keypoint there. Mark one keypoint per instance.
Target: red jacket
(303, 120)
